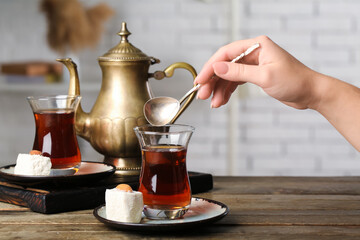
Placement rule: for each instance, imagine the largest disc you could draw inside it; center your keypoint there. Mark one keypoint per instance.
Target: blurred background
(253, 134)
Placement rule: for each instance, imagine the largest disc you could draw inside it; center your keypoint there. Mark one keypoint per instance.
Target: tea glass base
(153, 213)
(65, 171)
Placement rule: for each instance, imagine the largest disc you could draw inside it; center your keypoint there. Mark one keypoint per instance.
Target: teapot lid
(125, 51)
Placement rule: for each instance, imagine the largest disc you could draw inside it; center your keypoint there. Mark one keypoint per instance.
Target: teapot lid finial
(125, 51)
(124, 33)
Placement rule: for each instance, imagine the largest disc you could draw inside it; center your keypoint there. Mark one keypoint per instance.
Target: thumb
(237, 72)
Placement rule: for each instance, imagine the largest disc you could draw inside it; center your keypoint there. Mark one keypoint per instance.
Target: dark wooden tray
(55, 199)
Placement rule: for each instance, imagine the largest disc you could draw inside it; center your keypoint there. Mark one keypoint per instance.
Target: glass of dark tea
(55, 133)
(164, 180)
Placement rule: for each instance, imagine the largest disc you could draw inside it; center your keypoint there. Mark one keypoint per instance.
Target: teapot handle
(168, 72)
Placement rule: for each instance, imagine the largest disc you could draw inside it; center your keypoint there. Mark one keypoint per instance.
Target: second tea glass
(164, 180)
(55, 133)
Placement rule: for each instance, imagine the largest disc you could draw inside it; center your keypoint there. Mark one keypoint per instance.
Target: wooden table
(260, 208)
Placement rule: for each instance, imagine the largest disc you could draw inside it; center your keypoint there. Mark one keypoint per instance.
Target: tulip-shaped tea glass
(164, 180)
(55, 133)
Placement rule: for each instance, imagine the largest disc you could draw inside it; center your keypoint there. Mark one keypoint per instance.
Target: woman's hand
(270, 67)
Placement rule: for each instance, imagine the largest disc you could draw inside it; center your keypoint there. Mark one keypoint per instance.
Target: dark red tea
(55, 137)
(164, 181)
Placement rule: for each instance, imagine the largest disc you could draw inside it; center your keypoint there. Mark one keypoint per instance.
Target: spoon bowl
(159, 111)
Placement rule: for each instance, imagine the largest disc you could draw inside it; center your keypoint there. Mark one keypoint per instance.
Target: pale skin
(284, 78)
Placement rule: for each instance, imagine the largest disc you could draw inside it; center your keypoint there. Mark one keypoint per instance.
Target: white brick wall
(273, 139)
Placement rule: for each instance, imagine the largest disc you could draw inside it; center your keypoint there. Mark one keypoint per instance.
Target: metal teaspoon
(159, 111)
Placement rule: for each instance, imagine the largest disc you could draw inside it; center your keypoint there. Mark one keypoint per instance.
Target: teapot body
(118, 109)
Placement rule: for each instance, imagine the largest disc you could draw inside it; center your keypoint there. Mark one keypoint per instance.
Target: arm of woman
(284, 78)
(339, 103)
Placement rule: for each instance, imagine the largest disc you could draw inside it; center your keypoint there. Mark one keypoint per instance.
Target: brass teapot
(119, 106)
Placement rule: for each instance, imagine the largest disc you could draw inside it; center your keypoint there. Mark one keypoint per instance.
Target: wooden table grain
(260, 208)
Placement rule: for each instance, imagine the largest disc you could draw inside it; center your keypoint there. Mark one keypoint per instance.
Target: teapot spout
(82, 120)
(74, 85)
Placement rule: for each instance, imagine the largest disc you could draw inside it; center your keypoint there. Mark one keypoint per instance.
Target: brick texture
(271, 138)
